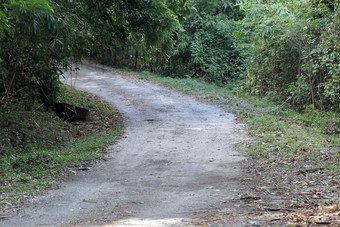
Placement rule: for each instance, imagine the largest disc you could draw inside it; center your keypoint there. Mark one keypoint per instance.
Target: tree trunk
(311, 89)
(10, 85)
(150, 66)
(136, 60)
(300, 61)
(115, 59)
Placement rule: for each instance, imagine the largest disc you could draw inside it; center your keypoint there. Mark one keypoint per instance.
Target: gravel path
(177, 161)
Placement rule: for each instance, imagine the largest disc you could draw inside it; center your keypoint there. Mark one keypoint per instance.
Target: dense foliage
(206, 47)
(288, 49)
(39, 38)
(130, 29)
(292, 50)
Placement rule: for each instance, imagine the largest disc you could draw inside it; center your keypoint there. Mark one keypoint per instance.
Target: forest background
(286, 51)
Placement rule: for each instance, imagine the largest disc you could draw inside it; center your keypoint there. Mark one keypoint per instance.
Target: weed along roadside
(38, 149)
(293, 155)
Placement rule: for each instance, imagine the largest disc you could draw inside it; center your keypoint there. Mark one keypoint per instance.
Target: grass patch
(37, 148)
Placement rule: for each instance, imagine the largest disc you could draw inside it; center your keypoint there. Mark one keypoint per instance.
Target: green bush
(25, 127)
(214, 52)
(292, 48)
(206, 47)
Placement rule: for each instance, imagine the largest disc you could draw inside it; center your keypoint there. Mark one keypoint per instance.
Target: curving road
(176, 163)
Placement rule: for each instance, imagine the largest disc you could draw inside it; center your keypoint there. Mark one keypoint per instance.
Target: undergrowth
(37, 148)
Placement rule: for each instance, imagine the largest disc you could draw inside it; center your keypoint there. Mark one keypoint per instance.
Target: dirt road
(177, 161)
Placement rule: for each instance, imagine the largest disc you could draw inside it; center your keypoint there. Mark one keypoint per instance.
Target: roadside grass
(292, 155)
(38, 149)
(291, 149)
